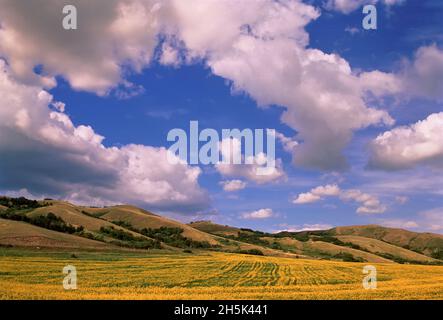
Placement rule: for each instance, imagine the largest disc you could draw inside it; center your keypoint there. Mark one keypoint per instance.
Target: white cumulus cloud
(409, 146)
(368, 204)
(233, 185)
(42, 151)
(247, 167)
(263, 51)
(259, 214)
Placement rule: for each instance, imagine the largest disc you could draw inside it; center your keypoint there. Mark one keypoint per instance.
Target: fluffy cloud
(408, 146)
(262, 51)
(347, 6)
(324, 100)
(422, 77)
(247, 167)
(259, 214)
(307, 197)
(368, 204)
(111, 36)
(316, 194)
(289, 144)
(42, 151)
(233, 185)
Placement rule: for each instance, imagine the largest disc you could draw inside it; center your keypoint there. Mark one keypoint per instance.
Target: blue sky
(173, 95)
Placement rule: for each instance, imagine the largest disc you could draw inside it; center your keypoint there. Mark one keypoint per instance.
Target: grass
(141, 219)
(385, 249)
(16, 233)
(202, 275)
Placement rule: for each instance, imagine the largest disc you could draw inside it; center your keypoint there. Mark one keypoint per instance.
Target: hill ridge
(135, 228)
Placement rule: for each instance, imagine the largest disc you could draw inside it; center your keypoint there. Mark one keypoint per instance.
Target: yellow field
(25, 275)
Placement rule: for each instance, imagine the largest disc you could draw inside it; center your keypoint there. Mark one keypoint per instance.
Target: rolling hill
(371, 244)
(20, 234)
(213, 228)
(426, 243)
(140, 219)
(77, 217)
(59, 224)
(385, 249)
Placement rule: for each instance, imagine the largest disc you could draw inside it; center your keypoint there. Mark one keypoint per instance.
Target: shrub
(276, 246)
(20, 203)
(174, 237)
(53, 222)
(255, 252)
(49, 221)
(118, 234)
(129, 240)
(437, 254)
(123, 224)
(347, 257)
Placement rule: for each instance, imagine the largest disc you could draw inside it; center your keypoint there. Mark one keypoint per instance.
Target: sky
(358, 113)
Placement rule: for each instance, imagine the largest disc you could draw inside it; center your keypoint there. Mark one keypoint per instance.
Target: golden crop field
(38, 275)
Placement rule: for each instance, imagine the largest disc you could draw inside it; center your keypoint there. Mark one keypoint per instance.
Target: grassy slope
(286, 243)
(140, 219)
(377, 246)
(218, 229)
(316, 248)
(322, 249)
(264, 250)
(22, 234)
(422, 242)
(74, 216)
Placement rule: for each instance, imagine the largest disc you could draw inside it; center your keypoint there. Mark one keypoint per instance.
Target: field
(26, 274)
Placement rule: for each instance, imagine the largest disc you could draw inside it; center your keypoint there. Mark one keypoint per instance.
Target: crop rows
(210, 276)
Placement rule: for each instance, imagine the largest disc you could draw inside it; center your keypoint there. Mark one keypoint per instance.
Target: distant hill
(21, 234)
(59, 224)
(384, 249)
(429, 244)
(369, 243)
(218, 229)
